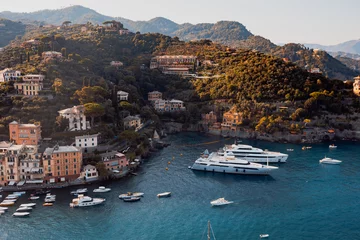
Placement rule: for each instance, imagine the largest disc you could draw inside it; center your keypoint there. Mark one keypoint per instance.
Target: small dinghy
(332, 146)
(47, 204)
(264, 235)
(164, 194)
(28, 205)
(21, 214)
(6, 204)
(24, 209)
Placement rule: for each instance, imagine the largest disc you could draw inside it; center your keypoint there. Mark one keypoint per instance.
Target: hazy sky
(282, 21)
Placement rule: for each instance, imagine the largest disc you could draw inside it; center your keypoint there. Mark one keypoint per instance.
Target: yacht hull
(232, 170)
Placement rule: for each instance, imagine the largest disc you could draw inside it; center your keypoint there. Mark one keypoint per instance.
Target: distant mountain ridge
(352, 46)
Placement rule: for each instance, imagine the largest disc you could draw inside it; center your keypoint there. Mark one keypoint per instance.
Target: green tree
(101, 168)
(94, 110)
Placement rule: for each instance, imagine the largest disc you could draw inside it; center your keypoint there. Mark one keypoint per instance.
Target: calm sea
(302, 200)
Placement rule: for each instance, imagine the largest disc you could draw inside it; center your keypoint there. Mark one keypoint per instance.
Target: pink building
(114, 161)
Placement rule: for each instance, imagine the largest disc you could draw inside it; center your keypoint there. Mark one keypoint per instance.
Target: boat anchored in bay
(86, 201)
(229, 164)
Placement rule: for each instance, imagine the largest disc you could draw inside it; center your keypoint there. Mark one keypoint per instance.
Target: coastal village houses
(76, 117)
(31, 85)
(89, 173)
(356, 85)
(132, 122)
(25, 133)
(9, 75)
(179, 64)
(231, 119)
(122, 96)
(114, 161)
(155, 95)
(209, 118)
(62, 163)
(173, 105)
(87, 142)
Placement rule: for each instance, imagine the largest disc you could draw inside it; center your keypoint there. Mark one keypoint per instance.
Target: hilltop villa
(76, 117)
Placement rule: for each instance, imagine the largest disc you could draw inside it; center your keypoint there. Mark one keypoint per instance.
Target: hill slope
(9, 30)
(352, 46)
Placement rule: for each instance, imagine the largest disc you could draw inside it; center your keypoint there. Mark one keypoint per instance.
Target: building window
(58, 173)
(66, 167)
(58, 168)
(65, 154)
(74, 165)
(66, 172)
(57, 155)
(74, 160)
(66, 161)
(57, 161)
(74, 171)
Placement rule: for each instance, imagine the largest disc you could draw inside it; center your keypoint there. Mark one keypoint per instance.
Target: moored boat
(102, 189)
(229, 164)
(220, 202)
(86, 201)
(131, 194)
(264, 235)
(79, 191)
(252, 154)
(47, 204)
(332, 146)
(131, 199)
(6, 204)
(3, 208)
(164, 194)
(50, 198)
(34, 198)
(21, 214)
(327, 160)
(28, 205)
(24, 209)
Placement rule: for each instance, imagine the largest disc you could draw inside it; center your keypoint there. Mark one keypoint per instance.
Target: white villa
(116, 64)
(9, 75)
(51, 55)
(173, 105)
(76, 117)
(87, 141)
(122, 96)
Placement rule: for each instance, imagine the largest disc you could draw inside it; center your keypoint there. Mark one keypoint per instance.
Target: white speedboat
(327, 160)
(164, 194)
(251, 154)
(86, 201)
(131, 194)
(11, 196)
(34, 198)
(28, 205)
(264, 235)
(79, 191)
(229, 164)
(102, 190)
(24, 209)
(332, 146)
(220, 202)
(19, 193)
(50, 198)
(6, 204)
(3, 208)
(21, 214)
(10, 200)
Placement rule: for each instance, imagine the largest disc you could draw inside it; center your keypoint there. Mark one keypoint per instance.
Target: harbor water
(301, 200)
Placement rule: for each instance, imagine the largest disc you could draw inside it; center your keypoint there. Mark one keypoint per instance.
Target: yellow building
(231, 119)
(62, 163)
(356, 85)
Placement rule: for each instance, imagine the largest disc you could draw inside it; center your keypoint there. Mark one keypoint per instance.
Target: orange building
(231, 119)
(24, 133)
(62, 163)
(155, 95)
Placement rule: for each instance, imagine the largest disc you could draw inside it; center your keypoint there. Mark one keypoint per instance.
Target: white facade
(122, 96)
(124, 31)
(89, 173)
(9, 75)
(87, 141)
(31, 85)
(162, 105)
(51, 54)
(76, 117)
(116, 64)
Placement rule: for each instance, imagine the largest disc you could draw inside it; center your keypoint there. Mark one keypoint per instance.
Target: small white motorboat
(3, 208)
(102, 190)
(11, 196)
(86, 201)
(332, 146)
(50, 198)
(327, 160)
(264, 235)
(79, 191)
(290, 150)
(220, 202)
(28, 205)
(164, 194)
(19, 193)
(9, 200)
(130, 194)
(34, 198)
(24, 209)
(21, 214)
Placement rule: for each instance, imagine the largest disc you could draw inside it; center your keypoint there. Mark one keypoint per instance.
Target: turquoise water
(302, 200)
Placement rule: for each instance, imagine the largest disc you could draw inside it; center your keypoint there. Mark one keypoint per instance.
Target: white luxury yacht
(229, 164)
(252, 154)
(86, 201)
